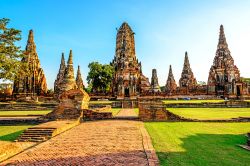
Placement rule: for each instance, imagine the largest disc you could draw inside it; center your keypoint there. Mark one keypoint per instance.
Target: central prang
(128, 82)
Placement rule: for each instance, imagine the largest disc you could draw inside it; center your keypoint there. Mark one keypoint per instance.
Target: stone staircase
(36, 134)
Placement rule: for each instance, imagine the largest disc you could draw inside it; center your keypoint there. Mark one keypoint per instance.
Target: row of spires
(68, 72)
(170, 83)
(65, 78)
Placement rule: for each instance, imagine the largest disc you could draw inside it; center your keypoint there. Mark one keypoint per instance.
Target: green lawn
(191, 101)
(10, 133)
(199, 143)
(211, 113)
(136, 111)
(101, 102)
(115, 111)
(23, 113)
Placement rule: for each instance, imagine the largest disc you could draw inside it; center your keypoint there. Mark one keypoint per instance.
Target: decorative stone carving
(128, 80)
(224, 76)
(154, 82)
(187, 81)
(34, 81)
(170, 84)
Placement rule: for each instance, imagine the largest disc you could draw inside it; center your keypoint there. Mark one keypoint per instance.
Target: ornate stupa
(32, 82)
(60, 75)
(128, 80)
(170, 84)
(224, 76)
(187, 79)
(68, 81)
(154, 82)
(79, 81)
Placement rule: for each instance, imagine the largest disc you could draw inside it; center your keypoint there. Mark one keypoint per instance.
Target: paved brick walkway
(126, 112)
(93, 143)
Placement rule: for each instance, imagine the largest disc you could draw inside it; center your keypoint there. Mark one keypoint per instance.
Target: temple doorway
(238, 90)
(126, 92)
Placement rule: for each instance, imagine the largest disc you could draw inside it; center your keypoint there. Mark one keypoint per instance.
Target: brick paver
(91, 143)
(127, 113)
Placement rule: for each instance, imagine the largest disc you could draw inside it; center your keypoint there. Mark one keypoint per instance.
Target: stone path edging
(148, 147)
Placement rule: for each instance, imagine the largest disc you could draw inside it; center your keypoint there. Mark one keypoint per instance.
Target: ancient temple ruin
(187, 81)
(224, 76)
(33, 82)
(79, 81)
(171, 86)
(128, 80)
(60, 75)
(73, 99)
(65, 78)
(154, 82)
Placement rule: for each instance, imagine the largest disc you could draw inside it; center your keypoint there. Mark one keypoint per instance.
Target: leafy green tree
(100, 77)
(10, 54)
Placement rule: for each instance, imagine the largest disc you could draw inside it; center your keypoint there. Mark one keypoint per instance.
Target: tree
(100, 77)
(202, 83)
(10, 54)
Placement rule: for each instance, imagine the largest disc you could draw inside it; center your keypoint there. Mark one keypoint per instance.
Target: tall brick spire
(69, 72)
(79, 81)
(186, 61)
(187, 77)
(170, 84)
(128, 80)
(222, 39)
(31, 46)
(60, 75)
(154, 82)
(34, 82)
(125, 43)
(69, 79)
(224, 74)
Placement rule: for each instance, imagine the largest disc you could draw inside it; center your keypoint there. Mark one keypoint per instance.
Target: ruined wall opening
(238, 90)
(126, 92)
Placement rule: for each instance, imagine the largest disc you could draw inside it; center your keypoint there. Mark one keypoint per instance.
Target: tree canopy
(10, 54)
(100, 77)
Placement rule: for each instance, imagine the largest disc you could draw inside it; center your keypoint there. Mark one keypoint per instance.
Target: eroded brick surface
(126, 113)
(91, 143)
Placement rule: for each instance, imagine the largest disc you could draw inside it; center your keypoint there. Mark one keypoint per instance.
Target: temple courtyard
(124, 83)
(132, 142)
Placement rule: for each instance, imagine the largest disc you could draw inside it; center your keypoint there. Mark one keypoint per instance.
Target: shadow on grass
(11, 136)
(206, 150)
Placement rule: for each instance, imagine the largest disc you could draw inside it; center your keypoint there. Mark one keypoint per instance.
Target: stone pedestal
(71, 105)
(152, 110)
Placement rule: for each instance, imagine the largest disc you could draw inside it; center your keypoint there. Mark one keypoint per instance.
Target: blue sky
(164, 29)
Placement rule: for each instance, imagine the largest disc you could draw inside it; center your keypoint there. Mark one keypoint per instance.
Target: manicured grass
(10, 133)
(211, 113)
(23, 113)
(136, 111)
(101, 102)
(115, 111)
(191, 101)
(199, 143)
